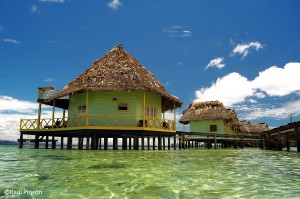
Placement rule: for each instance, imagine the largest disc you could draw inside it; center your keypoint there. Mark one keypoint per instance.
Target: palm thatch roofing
(247, 127)
(211, 110)
(118, 71)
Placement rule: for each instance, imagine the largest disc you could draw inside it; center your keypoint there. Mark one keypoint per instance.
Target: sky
(244, 53)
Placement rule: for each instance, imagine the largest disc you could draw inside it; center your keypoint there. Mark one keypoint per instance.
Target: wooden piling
(105, 143)
(115, 142)
(21, 141)
(129, 143)
(169, 143)
(87, 145)
(136, 142)
(153, 145)
(124, 142)
(36, 142)
(53, 143)
(174, 142)
(297, 135)
(47, 142)
(143, 141)
(148, 142)
(287, 142)
(69, 142)
(61, 142)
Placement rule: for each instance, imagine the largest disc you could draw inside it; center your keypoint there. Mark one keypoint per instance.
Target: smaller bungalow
(210, 117)
(252, 129)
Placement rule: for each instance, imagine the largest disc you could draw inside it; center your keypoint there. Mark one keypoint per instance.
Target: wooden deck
(282, 137)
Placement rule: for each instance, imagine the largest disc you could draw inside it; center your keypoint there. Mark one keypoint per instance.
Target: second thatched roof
(118, 71)
(247, 127)
(211, 110)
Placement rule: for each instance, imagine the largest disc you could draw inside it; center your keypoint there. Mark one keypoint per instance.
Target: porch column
(39, 116)
(53, 111)
(87, 109)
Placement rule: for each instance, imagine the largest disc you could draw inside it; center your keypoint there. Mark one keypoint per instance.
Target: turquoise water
(192, 173)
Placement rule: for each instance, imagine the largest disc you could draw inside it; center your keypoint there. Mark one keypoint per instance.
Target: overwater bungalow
(252, 129)
(115, 98)
(210, 117)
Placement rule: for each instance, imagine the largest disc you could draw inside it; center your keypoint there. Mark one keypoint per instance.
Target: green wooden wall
(204, 126)
(103, 107)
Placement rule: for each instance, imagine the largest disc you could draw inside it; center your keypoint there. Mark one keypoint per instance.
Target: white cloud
(9, 104)
(13, 41)
(265, 111)
(230, 89)
(279, 81)
(234, 88)
(12, 110)
(49, 79)
(114, 4)
(243, 49)
(217, 62)
(177, 31)
(34, 8)
(52, 1)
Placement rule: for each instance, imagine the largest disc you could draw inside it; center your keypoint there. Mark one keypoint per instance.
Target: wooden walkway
(282, 137)
(216, 140)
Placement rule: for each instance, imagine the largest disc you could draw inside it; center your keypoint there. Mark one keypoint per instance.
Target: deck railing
(97, 120)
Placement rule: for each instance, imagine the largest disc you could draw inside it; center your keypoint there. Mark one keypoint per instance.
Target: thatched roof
(234, 117)
(118, 71)
(247, 127)
(211, 110)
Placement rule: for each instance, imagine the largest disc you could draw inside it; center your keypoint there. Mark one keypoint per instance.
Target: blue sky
(244, 53)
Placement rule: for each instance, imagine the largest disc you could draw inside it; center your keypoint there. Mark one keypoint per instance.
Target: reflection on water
(193, 173)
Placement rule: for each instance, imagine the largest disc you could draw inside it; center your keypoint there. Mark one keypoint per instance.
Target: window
(81, 110)
(213, 128)
(151, 112)
(123, 107)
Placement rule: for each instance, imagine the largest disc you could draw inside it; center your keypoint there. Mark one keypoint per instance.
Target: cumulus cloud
(217, 62)
(114, 4)
(177, 31)
(12, 110)
(235, 88)
(13, 41)
(243, 49)
(230, 89)
(277, 81)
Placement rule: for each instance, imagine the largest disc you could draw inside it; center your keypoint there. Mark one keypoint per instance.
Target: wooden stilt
(287, 142)
(100, 143)
(124, 142)
(159, 142)
(115, 142)
(87, 145)
(153, 145)
(129, 143)
(105, 142)
(215, 141)
(96, 143)
(169, 143)
(61, 142)
(53, 143)
(148, 142)
(174, 142)
(21, 141)
(279, 143)
(242, 142)
(297, 135)
(47, 142)
(136, 142)
(143, 141)
(36, 142)
(69, 142)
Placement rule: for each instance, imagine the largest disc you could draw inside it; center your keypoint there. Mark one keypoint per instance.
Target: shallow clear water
(192, 173)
